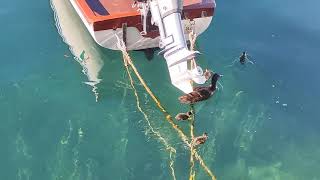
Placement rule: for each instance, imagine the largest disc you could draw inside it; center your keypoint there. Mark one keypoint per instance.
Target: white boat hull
(135, 41)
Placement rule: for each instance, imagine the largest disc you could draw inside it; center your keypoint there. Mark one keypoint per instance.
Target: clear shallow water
(52, 128)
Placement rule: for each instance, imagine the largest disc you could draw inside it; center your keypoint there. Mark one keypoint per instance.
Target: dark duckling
(183, 116)
(243, 57)
(201, 93)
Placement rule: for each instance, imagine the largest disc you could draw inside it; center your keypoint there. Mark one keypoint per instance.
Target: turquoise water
(262, 125)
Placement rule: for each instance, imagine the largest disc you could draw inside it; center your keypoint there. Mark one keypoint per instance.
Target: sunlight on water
(262, 123)
(23, 156)
(248, 128)
(22, 148)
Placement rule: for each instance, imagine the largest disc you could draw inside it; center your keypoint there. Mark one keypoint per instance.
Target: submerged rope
(171, 150)
(192, 173)
(169, 118)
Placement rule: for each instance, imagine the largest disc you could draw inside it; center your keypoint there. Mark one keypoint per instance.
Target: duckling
(243, 57)
(199, 140)
(183, 116)
(201, 93)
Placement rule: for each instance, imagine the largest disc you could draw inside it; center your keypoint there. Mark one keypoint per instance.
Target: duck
(183, 116)
(201, 93)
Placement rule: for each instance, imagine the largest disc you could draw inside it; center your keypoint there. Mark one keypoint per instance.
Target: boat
(147, 24)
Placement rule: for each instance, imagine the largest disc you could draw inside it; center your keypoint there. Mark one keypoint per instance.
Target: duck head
(214, 79)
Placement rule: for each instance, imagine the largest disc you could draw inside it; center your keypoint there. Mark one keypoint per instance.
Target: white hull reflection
(80, 43)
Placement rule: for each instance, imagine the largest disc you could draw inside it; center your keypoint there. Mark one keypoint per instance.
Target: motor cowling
(166, 14)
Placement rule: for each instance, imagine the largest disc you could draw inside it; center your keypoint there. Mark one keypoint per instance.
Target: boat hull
(103, 30)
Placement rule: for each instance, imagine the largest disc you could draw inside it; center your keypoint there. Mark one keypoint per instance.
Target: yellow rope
(192, 39)
(171, 150)
(169, 118)
(192, 173)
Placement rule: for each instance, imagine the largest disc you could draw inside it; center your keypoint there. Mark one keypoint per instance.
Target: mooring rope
(192, 174)
(192, 39)
(171, 150)
(184, 138)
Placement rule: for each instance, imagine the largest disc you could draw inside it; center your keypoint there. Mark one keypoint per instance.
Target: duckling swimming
(201, 93)
(199, 140)
(183, 116)
(243, 57)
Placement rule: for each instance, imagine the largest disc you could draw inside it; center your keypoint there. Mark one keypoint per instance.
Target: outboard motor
(166, 14)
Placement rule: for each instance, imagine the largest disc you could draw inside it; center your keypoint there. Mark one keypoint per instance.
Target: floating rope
(171, 150)
(184, 138)
(192, 39)
(192, 174)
